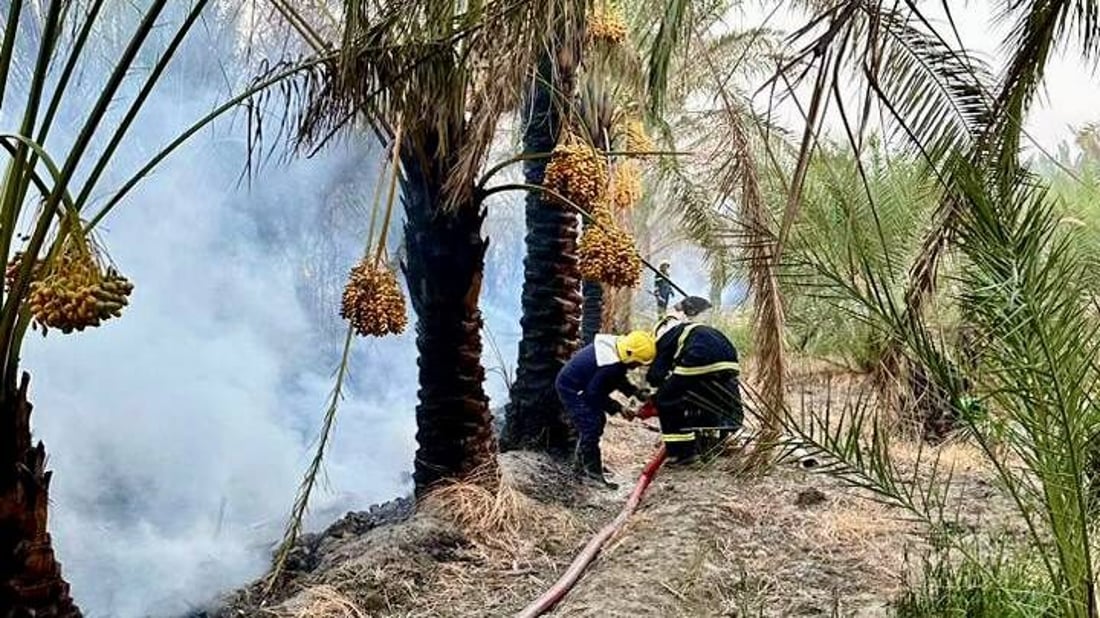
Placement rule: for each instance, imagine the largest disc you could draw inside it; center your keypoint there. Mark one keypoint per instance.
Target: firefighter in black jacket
(695, 373)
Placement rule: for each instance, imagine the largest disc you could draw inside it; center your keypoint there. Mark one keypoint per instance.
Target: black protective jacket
(695, 373)
(703, 347)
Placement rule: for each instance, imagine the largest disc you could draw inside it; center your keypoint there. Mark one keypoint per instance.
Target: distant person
(662, 288)
(585, 385)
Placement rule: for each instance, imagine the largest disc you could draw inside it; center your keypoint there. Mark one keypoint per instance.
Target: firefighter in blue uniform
(696, 375)
(585, 384)
(662, 289)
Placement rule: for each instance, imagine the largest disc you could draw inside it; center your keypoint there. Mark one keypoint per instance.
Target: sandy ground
(708, 541)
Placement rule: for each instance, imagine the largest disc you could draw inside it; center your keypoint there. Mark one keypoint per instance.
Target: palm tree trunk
(30, 576)
(617, 304)
(551, 288)
(592, 316)
(444, 263)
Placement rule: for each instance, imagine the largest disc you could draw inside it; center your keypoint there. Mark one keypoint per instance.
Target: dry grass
(321, 601)
(706, 541)
(954, 454)
(855, 523)
(504, 523)
(624, 456)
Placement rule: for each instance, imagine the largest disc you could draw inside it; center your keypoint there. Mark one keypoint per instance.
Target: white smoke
(178, 434)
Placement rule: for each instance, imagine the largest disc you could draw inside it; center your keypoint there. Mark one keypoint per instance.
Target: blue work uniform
(663, 291)
(585, 384)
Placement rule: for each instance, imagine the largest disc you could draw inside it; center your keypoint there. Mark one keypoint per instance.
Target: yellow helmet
(636, 347)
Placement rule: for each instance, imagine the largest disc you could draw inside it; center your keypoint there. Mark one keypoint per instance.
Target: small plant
(1009, 585)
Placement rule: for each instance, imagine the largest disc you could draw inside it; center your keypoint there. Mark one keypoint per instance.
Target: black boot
(591, 465)
(681, 453)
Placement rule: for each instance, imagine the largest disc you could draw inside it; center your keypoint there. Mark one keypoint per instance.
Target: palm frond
(674, 28)
(1022, 287)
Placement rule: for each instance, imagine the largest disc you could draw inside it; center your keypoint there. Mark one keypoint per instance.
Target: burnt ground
(708, 541)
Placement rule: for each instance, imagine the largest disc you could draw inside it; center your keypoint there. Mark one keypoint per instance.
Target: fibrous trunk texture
(444, 261)
(30, 576)
(592, 319)
(617, 309)
(551, 299)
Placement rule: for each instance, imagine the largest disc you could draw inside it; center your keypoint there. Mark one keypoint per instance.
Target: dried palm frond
(494, 513)
(323, 601)
(448, 71)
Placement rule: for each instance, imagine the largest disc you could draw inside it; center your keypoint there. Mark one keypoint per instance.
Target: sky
(179, 432)
(1070, 91)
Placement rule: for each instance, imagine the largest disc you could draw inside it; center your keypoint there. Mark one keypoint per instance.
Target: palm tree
(445, 258)
(936, 97)
(38, 60)
(594, 111)
(551, 300)
(1022, 284)
(432, 79)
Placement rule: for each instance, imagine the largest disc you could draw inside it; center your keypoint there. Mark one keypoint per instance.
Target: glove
(613, 407)
(648, 410)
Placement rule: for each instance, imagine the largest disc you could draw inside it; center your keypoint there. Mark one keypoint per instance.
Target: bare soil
(707, 541)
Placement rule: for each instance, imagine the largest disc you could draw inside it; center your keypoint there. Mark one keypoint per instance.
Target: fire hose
(573, 574)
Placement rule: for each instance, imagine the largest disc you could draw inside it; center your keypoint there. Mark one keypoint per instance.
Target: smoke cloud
(178, 434)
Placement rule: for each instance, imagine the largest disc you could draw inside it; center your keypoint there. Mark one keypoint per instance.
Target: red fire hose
(568, 579)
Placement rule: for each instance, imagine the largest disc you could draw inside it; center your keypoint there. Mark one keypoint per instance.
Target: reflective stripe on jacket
(690, 350)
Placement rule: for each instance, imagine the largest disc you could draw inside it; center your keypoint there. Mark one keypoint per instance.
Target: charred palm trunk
(30, 576)
(551, 300)
(444, 262)
(592, 316)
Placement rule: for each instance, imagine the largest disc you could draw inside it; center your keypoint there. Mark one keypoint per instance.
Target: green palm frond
(1022, 285)
(673, 29)
(1038, 29)
(933, 97)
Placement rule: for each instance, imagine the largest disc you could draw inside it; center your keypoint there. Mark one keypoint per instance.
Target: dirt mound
(707, 541)
(465, 552)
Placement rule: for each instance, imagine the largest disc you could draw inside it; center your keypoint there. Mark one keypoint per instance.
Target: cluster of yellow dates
(577, 172)
(372, 300)
(75, 292)
(607, 25)
(607, 253)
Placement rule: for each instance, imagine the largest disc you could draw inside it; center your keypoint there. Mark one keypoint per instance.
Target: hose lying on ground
(568, 579)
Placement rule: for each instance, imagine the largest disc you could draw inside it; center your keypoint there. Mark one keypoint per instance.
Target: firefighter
(585, 385)
(662, 288)
(695, 374)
